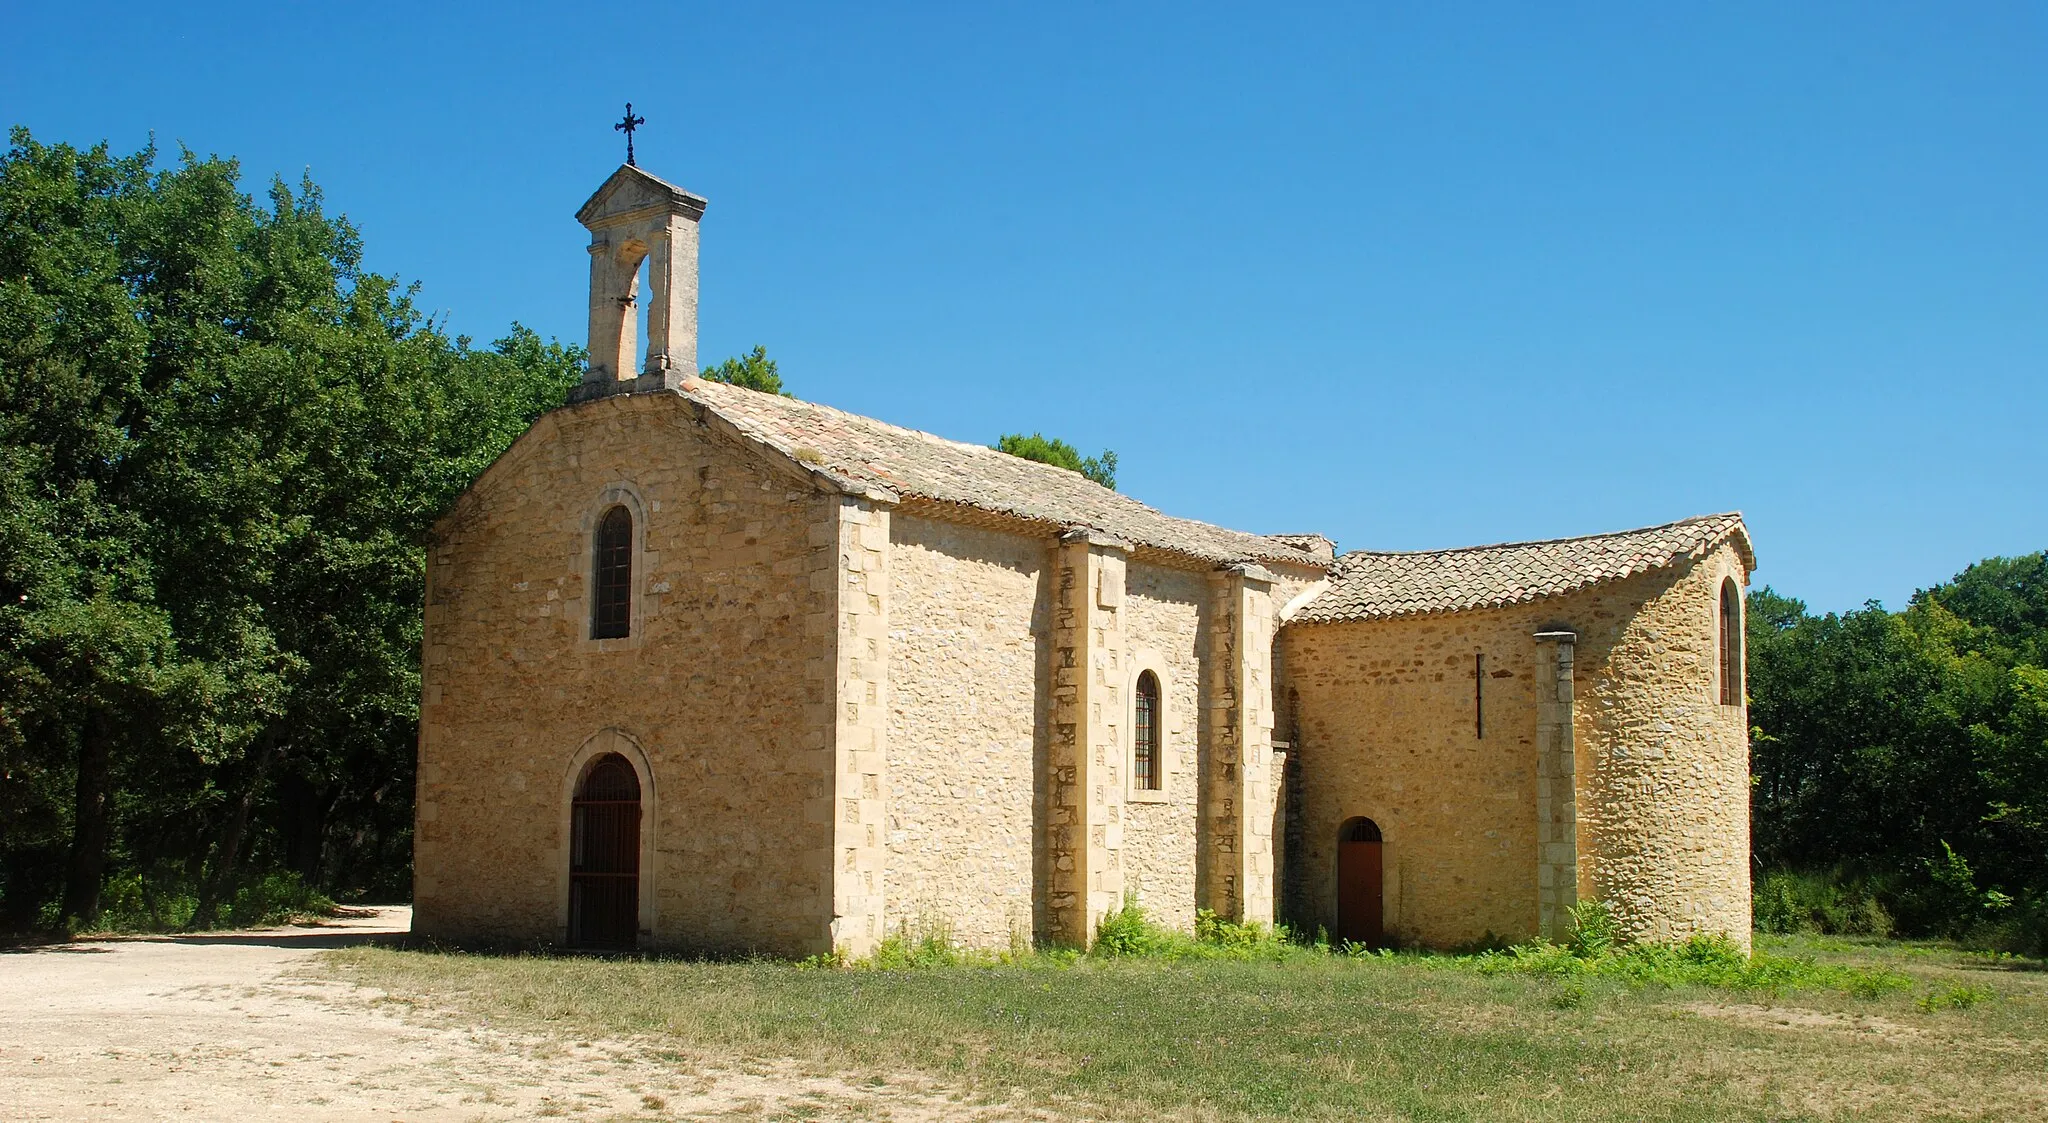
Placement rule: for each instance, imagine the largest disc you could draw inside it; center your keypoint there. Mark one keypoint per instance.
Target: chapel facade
(709, 669)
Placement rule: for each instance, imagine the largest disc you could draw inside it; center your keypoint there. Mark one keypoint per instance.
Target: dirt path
(229, 1026)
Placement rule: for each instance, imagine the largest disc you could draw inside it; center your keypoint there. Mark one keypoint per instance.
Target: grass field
(1897, 1032)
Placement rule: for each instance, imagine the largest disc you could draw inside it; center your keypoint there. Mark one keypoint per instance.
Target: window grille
(611, 610)
(1731, 644)
(1147, 767)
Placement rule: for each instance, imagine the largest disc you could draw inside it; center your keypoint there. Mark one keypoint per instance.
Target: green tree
(222, 443)
(1891, 744)
(753, 370)
(1060, 454)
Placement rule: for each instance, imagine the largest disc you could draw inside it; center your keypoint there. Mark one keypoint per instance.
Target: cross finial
(627, 126)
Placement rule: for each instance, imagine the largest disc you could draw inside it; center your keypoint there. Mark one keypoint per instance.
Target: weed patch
(1593, 950)
(1233, 1022)
(1954, 997)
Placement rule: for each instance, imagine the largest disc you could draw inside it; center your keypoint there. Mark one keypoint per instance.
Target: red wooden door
(1359, 910)
(604, 857)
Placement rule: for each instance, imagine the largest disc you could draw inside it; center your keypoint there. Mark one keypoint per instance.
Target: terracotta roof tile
(861, 454)
(1372, 585)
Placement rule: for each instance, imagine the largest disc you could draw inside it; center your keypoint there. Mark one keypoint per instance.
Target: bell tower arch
(634, 218)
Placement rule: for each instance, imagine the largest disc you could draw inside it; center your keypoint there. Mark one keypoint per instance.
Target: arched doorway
(604, 856)
(1360, 911)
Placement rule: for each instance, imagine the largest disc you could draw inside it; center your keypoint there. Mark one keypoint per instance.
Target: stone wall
(1663, 767)
(1388, 732)
(717, 685)
(1658, 792)
(967, 635)
(1164, 607)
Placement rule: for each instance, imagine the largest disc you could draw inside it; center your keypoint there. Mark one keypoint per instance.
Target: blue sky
(1409, 275)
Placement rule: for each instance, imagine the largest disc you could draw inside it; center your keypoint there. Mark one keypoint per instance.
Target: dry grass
(1317, 1037)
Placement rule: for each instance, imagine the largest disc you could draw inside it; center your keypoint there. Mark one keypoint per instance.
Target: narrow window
(1479, 697)
(1147, 768)
(611, 609)
(1731, 644)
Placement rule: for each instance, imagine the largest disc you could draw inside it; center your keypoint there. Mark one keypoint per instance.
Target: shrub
(1594, 950)
(132, 903)
(928, 942)
(1235, 936)
(1948, 900)
(1832, 903)
(1954, 997)
(1127, 932)
(1594, 931)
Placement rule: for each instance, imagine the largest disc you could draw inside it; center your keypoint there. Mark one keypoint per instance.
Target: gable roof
(864, 456)
(1374, 585)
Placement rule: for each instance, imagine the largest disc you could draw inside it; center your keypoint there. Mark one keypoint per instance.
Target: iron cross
(627, 126)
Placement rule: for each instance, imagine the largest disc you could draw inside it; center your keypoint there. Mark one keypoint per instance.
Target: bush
(1595, 950)
(1954, 997)
(1594, 931)
(2019, 929)
(133, 903)
(1127, 932)
(1788, 902)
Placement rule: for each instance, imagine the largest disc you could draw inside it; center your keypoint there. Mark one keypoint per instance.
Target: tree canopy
(1060, 454)
(222, 443)
(753, 370)
(1911, 747)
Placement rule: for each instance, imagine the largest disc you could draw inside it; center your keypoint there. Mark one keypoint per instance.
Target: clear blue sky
(1409, 275)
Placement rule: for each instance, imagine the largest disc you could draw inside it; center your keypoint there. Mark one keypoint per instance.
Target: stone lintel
(1075, 535)
(1250, 571)
(1557, 637)
(592, 389)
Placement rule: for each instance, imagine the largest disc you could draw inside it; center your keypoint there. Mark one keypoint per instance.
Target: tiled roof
(862, 455)
(1372, 585)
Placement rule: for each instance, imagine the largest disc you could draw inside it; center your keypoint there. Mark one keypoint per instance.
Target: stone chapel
(709, 669)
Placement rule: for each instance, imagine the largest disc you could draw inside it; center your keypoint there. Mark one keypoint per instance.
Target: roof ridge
(1385, 584)
(927, 435)
(862, 451)
(1737, 515)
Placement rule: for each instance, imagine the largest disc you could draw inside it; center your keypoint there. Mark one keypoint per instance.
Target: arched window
(1731, 643)
(611, 605)
(1148, 766)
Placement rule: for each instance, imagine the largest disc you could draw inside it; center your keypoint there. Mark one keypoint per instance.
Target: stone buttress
(1084, 781)
(1238, 812)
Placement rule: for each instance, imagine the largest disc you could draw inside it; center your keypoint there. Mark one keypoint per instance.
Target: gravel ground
(233, 1025)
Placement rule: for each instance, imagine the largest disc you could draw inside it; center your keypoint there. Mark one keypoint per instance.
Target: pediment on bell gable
(631, 194)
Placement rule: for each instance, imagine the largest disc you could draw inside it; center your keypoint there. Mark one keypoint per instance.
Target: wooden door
(604, 857)
(1360, 912)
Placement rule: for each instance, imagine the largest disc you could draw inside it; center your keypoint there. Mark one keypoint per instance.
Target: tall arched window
(611, 605)
(1148, 766)
(1731, 643)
